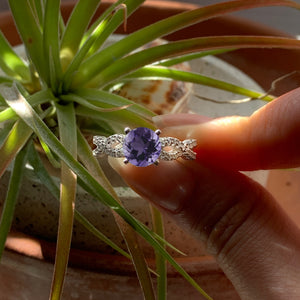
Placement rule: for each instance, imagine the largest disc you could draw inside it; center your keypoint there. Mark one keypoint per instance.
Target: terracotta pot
(94, 275)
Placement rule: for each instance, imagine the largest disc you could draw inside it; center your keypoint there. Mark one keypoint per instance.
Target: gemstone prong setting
(127, 130)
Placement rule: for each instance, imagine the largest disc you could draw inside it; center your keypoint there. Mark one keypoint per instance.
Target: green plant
(64, 91)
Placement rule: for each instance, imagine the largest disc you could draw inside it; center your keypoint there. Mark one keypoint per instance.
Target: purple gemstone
(142, 147)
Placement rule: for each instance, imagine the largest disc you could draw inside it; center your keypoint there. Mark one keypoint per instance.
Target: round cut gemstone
(142, 147)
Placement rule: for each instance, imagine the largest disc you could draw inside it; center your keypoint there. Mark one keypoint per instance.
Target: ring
(142, 147)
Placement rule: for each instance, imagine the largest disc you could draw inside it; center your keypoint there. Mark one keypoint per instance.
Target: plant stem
(67, 122)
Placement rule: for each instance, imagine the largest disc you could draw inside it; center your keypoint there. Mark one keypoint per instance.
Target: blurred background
(282, 18)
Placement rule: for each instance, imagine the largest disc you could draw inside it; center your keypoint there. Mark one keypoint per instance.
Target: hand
(253, 240)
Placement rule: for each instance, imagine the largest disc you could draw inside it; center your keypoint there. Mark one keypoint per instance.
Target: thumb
(267, 139)
(253, 241)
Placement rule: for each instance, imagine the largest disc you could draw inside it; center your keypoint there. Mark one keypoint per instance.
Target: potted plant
(65, 91)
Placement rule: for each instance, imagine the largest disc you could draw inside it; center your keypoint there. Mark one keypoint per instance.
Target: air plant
(64, 90)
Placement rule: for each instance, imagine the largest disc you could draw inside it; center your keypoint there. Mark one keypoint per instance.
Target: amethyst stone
(142, 147)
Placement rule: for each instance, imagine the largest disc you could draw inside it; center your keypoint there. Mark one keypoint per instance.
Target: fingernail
(169, 120)
(167, 185)
(159, 120)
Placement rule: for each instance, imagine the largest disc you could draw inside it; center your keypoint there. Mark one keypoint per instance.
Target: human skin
(253, 240)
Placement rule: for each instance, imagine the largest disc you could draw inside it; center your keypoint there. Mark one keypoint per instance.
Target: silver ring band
(143, 147)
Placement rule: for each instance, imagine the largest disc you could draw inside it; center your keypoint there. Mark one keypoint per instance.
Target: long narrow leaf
(102, 17)
(74, 31)
(116, 119)
(127, 231)
(4, 132)
(11, 63)
(54, 161)
(161, 266)
(41, 172)
(12, 196)
(81, 54)
(92, 126)
(38, 7)
(117, 16)
(87, 103)
(51, 42)
(106, 99)
(102, 29)
(92, 229)
(131, 6)
(68, 137)
(185, 58)
(137, 256)
(28, 115)
(101, 60)
(43, 175)
(133, 116)
(166, 73)
(155, 54)
(30, 33)
(7, 114)
(34, 100)
(6, 79)
(15, 141)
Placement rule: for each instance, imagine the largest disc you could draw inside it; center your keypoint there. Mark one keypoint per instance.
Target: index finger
(268, 139)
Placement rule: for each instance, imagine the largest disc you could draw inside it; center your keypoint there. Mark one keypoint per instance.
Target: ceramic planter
(95, 275)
